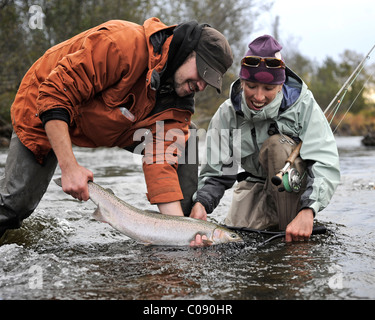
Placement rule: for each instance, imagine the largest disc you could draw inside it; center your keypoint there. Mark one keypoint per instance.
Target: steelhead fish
(153, 228)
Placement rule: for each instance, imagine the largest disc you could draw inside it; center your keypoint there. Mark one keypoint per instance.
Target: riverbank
(352, 125)
(5, 134)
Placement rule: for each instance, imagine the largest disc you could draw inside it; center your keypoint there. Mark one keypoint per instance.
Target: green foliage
(21, 45)
(327, 78)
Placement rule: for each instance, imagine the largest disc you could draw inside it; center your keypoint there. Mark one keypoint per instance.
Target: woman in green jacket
(270, 110)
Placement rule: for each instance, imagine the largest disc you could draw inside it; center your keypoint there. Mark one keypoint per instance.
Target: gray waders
(23, 184)
(260, 205)
(188, 171)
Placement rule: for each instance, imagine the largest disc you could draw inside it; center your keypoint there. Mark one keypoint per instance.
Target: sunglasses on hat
(254, 61)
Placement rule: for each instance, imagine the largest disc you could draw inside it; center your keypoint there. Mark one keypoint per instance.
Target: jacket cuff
(206, 204)
(312, 208)
(55, 114)
(162, 183)
(164, 197)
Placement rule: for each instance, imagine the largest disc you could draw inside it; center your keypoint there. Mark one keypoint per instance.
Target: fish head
(223, 235)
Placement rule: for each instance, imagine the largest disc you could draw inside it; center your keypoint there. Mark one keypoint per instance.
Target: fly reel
(292, 180)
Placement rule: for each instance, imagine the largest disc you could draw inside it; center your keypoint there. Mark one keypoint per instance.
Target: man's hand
(74, 177)
(74, 182)
(301, 227)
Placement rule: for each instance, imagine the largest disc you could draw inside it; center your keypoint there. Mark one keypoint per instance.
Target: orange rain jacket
(92, 75)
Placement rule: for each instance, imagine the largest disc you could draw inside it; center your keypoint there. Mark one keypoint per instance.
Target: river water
(62, 253)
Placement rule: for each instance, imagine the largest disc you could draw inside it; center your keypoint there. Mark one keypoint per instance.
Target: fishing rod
(274, 234)
(348, 82)
(316, 230)
(290, 177)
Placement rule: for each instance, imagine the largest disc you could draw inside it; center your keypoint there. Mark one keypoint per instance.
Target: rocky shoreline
(5, 134)
(369, 139)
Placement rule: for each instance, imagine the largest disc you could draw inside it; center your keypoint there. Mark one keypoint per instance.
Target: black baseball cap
(214, 57)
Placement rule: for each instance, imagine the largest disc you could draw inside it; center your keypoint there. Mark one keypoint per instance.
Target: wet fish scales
(154, 228)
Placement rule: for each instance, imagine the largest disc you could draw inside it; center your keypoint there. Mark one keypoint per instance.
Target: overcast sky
(322, 28)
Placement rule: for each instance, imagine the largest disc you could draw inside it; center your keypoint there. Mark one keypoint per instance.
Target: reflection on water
(62, 253)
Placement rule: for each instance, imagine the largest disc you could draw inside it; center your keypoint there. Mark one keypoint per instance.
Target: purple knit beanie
(265, 47)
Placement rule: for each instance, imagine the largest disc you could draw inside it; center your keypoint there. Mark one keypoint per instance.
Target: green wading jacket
(236, 134)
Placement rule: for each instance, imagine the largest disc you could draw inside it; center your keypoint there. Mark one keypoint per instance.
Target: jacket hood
(185, 39)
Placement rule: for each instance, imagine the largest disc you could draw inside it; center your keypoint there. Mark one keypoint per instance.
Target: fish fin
(152, 211)
(98, 215)
(58, 181)
(207, 242)
(110, 191)
(146, 244)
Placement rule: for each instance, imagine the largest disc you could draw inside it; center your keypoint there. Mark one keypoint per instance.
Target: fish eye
(233, 235)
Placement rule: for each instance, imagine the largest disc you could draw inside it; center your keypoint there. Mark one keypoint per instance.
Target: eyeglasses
(271, 63)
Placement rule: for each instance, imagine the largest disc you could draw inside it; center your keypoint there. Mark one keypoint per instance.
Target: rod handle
(277, 179)
(319, 230)
(294, 153)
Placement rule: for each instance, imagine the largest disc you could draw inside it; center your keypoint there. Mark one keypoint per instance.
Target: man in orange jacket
(97, 89)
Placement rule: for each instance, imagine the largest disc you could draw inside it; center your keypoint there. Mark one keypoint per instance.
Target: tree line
(29, 27)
